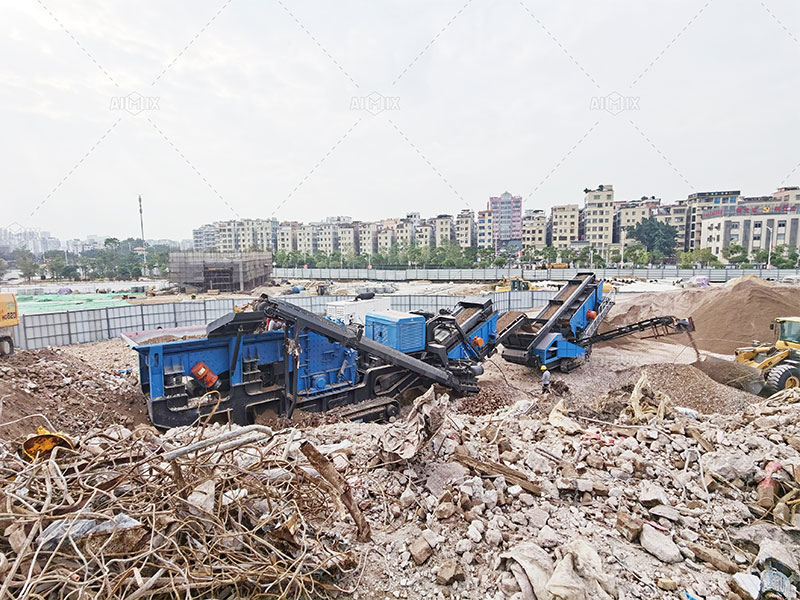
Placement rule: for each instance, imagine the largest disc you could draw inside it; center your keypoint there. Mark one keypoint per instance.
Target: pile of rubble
(659, 501)
(71, 394)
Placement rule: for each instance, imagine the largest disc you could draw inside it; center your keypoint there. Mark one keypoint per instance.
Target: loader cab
(788, 333)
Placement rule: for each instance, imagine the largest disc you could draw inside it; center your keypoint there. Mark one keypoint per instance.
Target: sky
(212, 110)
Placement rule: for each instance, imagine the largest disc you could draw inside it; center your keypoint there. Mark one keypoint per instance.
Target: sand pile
(726, 317)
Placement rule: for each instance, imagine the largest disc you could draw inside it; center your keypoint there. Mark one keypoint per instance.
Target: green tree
(735, 254)
(784, 257)
(486, 255)
(654, 235)
(567, 255)
(549, 254)
(26, 263)
(702, 256)
(500, 261)
(614, 256)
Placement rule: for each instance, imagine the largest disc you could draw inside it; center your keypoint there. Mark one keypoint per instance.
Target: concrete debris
(659, 544)
(529, 501)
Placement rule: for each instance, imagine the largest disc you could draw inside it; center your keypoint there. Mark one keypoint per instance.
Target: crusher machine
(241, 364)
(561, 336)
(312, 363)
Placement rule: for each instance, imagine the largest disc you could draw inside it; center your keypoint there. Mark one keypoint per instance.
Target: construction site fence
(81, 326)
(494, 274)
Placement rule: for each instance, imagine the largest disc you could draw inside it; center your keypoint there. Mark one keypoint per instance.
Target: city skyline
(213, 113)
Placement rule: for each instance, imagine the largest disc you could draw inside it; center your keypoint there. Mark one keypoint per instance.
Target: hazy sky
(256, 109)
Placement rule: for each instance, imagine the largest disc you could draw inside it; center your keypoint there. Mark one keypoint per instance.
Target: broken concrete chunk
(665, 583)
(659, 545)
(420, 550)
(407, 498)
(547, 537)
(652, 494)
(745, 586)
(202, 497)
(730, 465)
(445, 510)
(714, 557)
(629, 526)
(667, 512)
(449, 572)
(772, 549)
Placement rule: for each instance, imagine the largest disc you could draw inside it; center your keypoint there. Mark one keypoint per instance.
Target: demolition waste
(640, 481)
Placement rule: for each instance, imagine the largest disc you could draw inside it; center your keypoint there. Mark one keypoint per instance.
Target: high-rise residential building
(414, 218)
(307, 239)
(385, 239)
(348, 239)
(563, 225)
(630, 214)
(755, 226)
(425, 235)
(405, 232)
(287, 237)
(534, 229)
(444, 229)
(466, 233)
(506, 220)
(368, 238)
(204, 238)
(328, 237)
(596, 220)
(697, 204)
(484, 226)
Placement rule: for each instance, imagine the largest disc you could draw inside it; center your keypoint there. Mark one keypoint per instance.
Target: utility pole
(144, 244)
(769, 251)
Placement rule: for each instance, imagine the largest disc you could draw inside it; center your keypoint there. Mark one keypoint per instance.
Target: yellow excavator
(9, 318)
(778, 363)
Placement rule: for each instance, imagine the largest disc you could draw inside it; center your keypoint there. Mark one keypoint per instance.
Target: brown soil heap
(69, 392)
(726, 317)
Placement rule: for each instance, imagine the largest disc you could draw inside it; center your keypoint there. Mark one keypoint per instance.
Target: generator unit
(399, 330)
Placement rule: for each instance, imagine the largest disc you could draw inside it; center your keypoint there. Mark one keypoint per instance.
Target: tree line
(116, 260)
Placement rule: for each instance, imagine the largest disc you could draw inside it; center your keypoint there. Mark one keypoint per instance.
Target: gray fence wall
(80, 326)
(716, 275)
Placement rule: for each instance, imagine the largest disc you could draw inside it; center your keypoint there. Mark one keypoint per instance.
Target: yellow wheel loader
(9, 318)
(778, 363)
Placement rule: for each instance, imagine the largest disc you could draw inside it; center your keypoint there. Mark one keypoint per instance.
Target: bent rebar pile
(141, 516)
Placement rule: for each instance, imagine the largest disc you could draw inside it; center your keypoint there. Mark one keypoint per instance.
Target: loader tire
(782, 377)
(6, 347)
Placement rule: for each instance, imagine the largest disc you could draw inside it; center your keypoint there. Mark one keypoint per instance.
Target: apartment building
(534, 229)
(287, 237)
(466, 234)
(596, 220)
(425, 235)
(307, 239)
(328, 238)
(444, 229)
(754, 226)
(701, 202)
(674, 215)
(506, 220)
(368, 238)
(348, 238)
(630, 214)
(484, 226)
(405, 232)
(204, 238)
(386, 239)
(563, 228)
(787, 194)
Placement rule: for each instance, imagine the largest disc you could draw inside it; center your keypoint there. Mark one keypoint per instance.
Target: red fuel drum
(204, 375)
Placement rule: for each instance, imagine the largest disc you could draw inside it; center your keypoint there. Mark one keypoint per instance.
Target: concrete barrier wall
(493, 274)
(81, 326)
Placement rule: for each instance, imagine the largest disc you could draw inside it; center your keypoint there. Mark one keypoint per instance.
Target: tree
(784, 257)
(499, 261)
(486, 255)
(111, 243)
(567, 255)
(702, 256)
(735, 254)
(614, 256)
(549, 254)
(654, 235)
(3, 267)
(26, 263)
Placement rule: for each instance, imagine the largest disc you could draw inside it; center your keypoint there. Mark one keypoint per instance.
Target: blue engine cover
(399, 330)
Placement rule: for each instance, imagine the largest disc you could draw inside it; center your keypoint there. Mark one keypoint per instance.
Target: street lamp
(769, 249)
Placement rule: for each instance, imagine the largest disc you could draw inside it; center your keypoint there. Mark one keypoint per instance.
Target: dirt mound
(726, 317)
(730, 373)
(69, 392)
